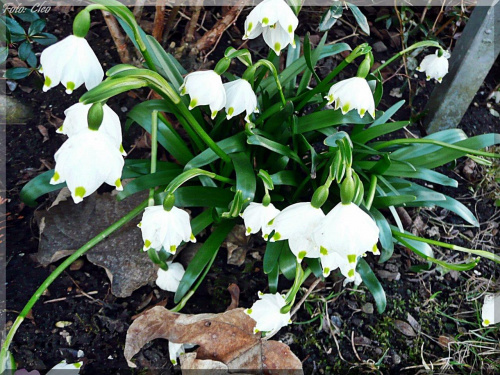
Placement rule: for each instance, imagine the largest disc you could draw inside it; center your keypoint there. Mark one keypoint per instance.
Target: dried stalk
(118, 37)
(159, 22)
(192, 24)
(170, 22)
(139, 5)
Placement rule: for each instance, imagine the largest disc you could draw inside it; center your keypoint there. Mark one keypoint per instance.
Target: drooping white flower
(240, 98)
(71, 62)
(352, 93)
(87, 160)
(170, 279)
(66, 368)
(267, 313)
(435, 66)
(205, 88)
(490, 313)
(275, 20)
(257, 216)
(175, 351)
(167, 229)
(296, 224)
(346, 233)
(76, 121)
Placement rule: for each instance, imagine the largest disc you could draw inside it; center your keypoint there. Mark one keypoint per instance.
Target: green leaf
(200, 196)
(272, 279)
(373, 285)
(385, 235)
(360, 18)
(203, 256)
(202, 221)
(24, 50)
(290, 178)
(4, 53)
(14, 27)
(230, 145)
(28, 16)
(31, 59)
(376, 131)
(149, 181)
(44, 39)
(387, 114)
(331, 16)
(276, 147)
(36, 27)
(37, 187)
(110, 88)
(271, 255)
(245, 175)
(315, 266)
(393, 200)
(327, 118)
(17, 73)
(168, 65)
(288, 262)
(167, 135)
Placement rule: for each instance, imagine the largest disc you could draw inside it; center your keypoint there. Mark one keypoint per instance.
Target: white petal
(490, 313)
(54, 58)
(174, 351)
(169, 280)
(240, 97)
(352, 93)
(266, 313)
(276, 38)
(257, 216)
(205, 88)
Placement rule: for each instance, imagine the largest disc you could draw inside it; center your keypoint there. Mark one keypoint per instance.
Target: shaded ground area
(426, 312)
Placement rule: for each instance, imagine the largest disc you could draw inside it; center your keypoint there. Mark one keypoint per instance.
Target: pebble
(367, 308)
(396, 359)
(379, 47)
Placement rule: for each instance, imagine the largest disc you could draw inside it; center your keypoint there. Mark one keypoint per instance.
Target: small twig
(304, 297)
(354, 347)
(69, 297)
(159, 21)
(192, 24)
(118, 38)
(78, 287)
(139, 6)
(170, 22)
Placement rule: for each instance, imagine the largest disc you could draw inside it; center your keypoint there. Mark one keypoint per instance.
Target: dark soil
(99, 325)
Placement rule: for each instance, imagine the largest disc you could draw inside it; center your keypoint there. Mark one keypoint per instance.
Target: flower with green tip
(170, 279)
(276, 21)
(76, 121)
(257, 216)
(205, 88)
(490, 313)
(267, 313)
(71, 62)
(345, 234)
(352, 93)
(86, 161)
(296, 224)
(240, 98)
(167, 229)
(175, 351)
(435, 66)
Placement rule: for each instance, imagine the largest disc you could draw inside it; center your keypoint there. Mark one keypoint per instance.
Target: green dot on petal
(290, 29)
(47, 82)
(265, 21)
(249, 230)
(248, 311)
(350, 273)
(302, 254)
(277, 46)
(230, 111)
(56, 177)
(323, 250)
(173, 248)
(193, 103)
(486, 322)
(351, 258)
(346, 107)
(326, 271)
(70, 85)
(118, 183)
(80, 191)
(192, 237)
(147, 243)
(77, 365)
(277, 236)
(250, 26)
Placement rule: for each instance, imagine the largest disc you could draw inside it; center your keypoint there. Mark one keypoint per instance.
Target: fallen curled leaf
(44, 132)
(234, 291)
(404, 328)
(413, 323)
(237, 246)
(225, 338)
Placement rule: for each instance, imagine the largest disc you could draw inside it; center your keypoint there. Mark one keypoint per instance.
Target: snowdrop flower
(275, 20)
(79, 162)
(167, 229)
(76, 121)
(257, 216)
(240, 97)
(71, 62)
(346, 233)
(175, 351)
(66, 368)
(435, 66)
(170, 279)
(296, 224)
(267, 313)
(491, 310)
(205, 88)
(352, 93)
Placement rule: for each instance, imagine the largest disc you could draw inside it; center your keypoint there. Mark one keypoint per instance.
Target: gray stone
(472, 59)
(15, 111)
(379, 46)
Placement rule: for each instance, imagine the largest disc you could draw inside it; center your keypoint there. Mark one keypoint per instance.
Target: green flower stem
(154, 152)
(250, 72)
(94, 241)
(300, 277)
(322, 86)
(482, 253)
(435, 143)
(426, 43)
(192, 173)
(371, 192)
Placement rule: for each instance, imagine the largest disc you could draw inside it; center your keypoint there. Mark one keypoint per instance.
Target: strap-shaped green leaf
(161, 178)
(235, 143)
(245, 175)
(208, 250)
(385, 235)
(327, 118)
(376, 131)
(373, 285)
(271, 255)
(288, 262)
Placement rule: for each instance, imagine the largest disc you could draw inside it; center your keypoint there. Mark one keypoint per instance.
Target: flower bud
(168, 202)
(222, 65)
(365, 66)
(81, 24)
(347, 189)
(320, 196)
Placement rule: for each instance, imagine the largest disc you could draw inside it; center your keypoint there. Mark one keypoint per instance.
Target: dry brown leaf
(44, 132)
(225, 338)
(237, 246)
(234, 291)
(404, 328)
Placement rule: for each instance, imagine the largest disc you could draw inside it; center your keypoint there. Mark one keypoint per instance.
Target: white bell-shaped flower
(276, 21)
(352, 93)
(175, 351)
(296, 224)
(490, 313)
(435, 66)
(257, 216)
(66, 368)
(76, 121)
(167, 229)
(71, 62)
(205, 88)
(240, 98)
(267, 313)
(79, 163)
(346, 233)
(170, 279)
